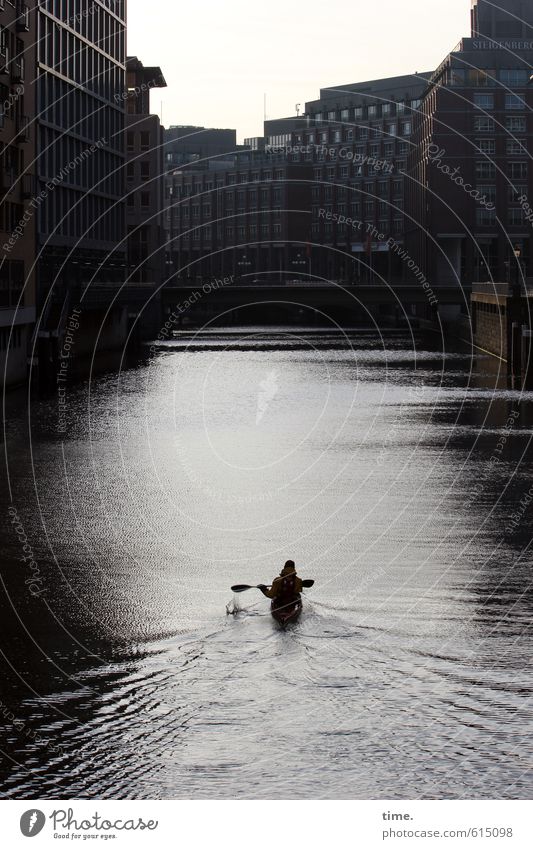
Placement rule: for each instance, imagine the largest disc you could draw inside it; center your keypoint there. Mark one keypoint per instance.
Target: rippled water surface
(384, 467)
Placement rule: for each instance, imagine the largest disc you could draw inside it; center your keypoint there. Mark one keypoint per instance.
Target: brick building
(469, 172)
(145, 184)
(249, 218)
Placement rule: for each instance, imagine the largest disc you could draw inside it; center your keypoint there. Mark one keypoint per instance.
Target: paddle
(240, 588)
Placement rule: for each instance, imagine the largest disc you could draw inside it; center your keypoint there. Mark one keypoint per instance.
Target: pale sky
(220, 56)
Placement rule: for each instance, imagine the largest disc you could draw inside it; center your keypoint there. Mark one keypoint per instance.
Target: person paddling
(286, 587)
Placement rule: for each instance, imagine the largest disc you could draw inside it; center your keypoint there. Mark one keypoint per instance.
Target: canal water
(397, 476)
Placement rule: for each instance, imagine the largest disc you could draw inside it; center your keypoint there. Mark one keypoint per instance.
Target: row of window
(333, 232)
(73, 58)
(73, 162)
(516, 217)
(228, 233)
(72, 10)
(372, 111)
(513, 147)
(483, 78)
(66, 212)
(487, 170)
(137, 141)
(512, 123)
(69, 108)
(92, 22)
(482, 100)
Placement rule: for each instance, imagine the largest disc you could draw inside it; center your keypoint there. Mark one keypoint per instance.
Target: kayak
(287, 613)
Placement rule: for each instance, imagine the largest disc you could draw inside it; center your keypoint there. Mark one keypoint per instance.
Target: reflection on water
(386, 469)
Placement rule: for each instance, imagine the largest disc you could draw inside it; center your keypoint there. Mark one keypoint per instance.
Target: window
(514, 78)
(130, 142)
(518, 170)
(345, 114)
(481, 79)
(516, 147)
(130, 170)
(145, 140)
(485, 170)
(483, 125)
(515, 193)
(456, 77)
(483, 101)
(487, 192)
(485, 217)
(372, 111)
(400, 108)
(516, 124)
(145, 199)
(369, 208)
(407, 128)
(344, 171)
(515, 216)
(486, 146)
(392, 130)
(385, 109)
(512, 101)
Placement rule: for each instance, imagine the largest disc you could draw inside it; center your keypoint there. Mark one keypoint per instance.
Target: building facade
(81, 96)
(145, 184)
(469, 172)
(185, 145)
(17, 216)
(248, 219)
(343, 162)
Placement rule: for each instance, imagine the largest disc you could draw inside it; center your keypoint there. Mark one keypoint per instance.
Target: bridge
(230, 300)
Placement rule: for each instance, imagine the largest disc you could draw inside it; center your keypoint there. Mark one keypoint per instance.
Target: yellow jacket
(277, 584)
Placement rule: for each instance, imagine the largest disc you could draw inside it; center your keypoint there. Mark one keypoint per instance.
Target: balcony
(23, 17)
(28, 185)
(4, 60)
(22, 128)
(16, 70)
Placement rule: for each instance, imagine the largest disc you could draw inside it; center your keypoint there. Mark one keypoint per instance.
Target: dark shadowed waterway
(389, 470)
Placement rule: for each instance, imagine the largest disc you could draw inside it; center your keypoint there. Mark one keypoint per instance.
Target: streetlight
(299, 261)
(244, 263)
